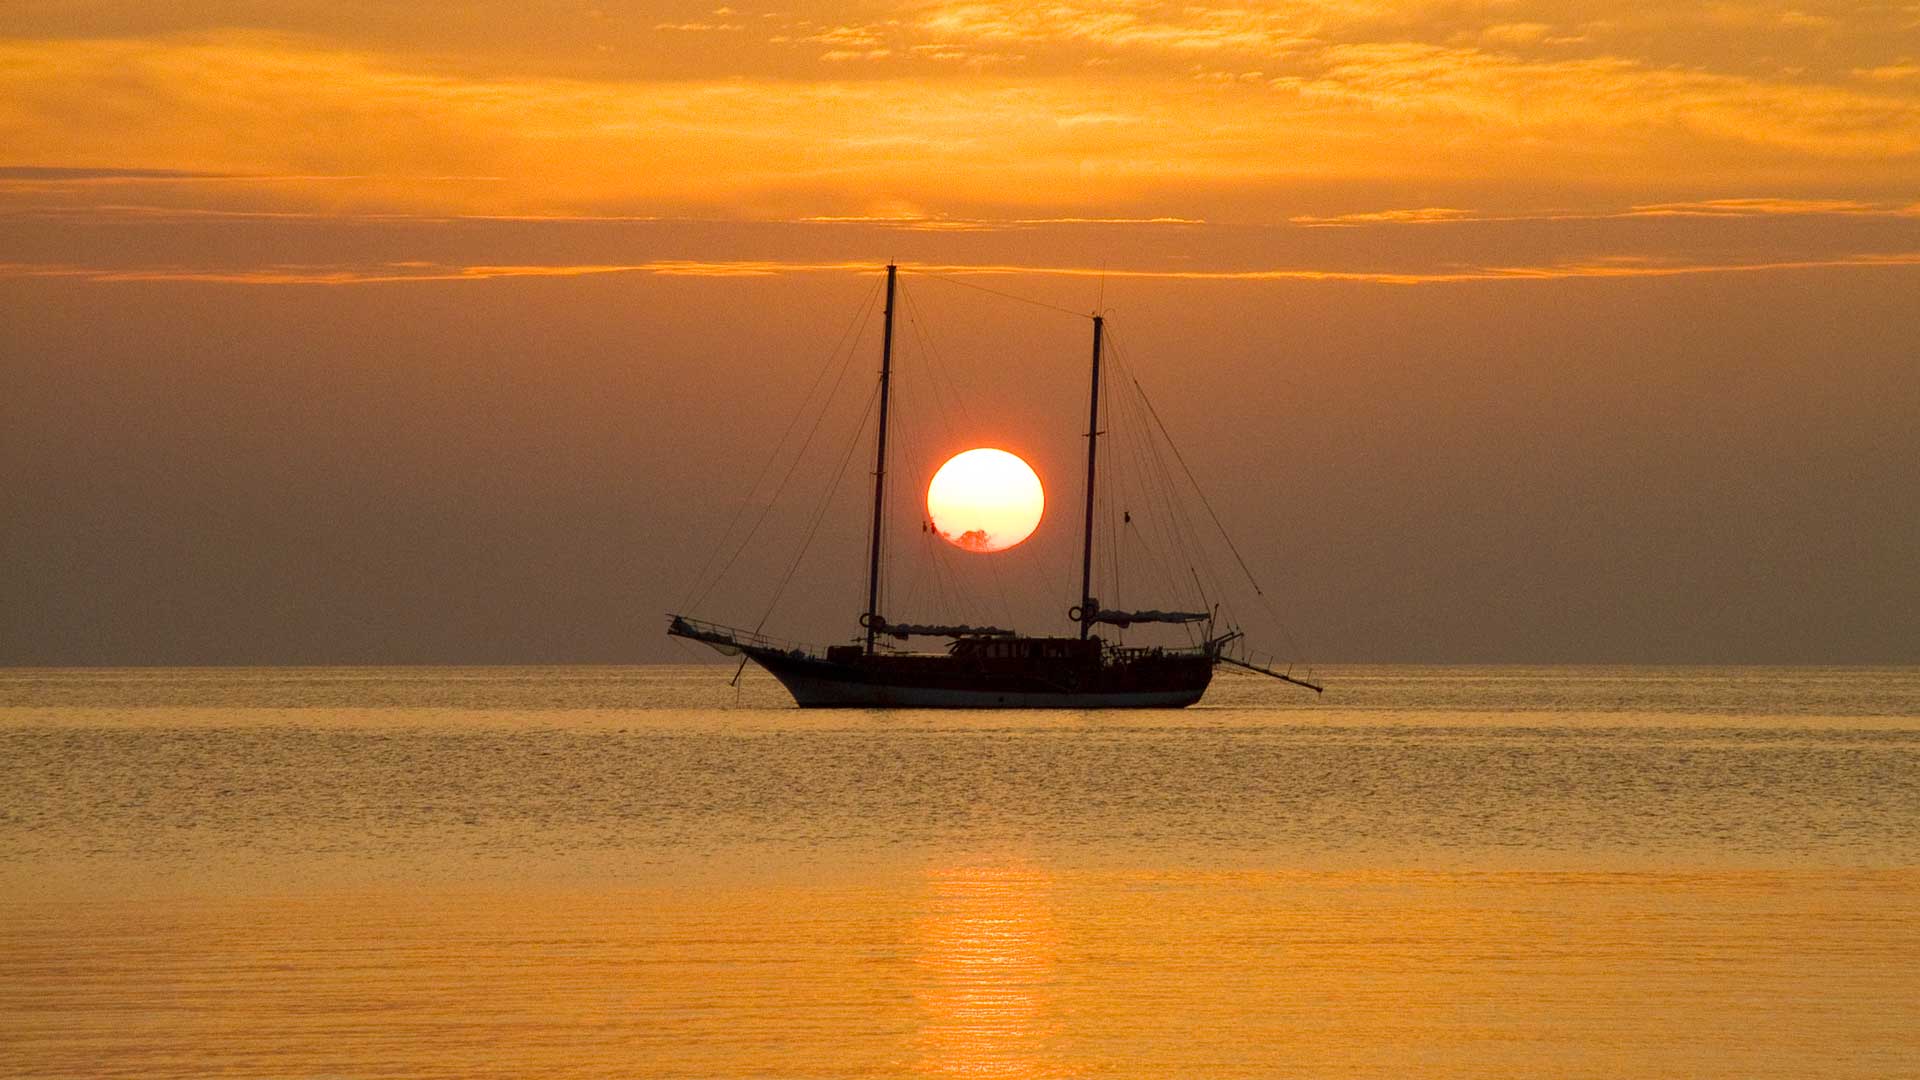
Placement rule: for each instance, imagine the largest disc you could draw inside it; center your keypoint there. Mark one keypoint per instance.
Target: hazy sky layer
(435, 332)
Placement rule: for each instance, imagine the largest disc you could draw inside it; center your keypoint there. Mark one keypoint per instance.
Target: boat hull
(820, 684)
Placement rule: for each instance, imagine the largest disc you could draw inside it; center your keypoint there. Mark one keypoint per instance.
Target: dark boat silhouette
(988, 667)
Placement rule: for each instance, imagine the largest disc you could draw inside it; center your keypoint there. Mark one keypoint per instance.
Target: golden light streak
(401, 273)
(1759, 207)
(987, 948)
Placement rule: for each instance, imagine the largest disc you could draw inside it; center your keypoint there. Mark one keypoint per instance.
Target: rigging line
(1138, 534)
(1142, 478)
(952, 596)
(919, 399)
(1189, 543)
(1112, 521)
(938, 601)
(907, 420)
(1265, 601)
(933, 364)
(1181, 459)
(859, 319)
(997, 292)
(924, 586)
(1153, 469)
(821, 513)
(941, 377)
(941, 369)
(943, 374)
(944, 598)
(795, 464)
(1180, 544)
(939, 387)
(1133, 494)
(902, 573)
(932, 560)
(1173, 525)
(682, 645)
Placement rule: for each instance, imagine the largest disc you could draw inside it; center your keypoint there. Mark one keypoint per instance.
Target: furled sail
(904, 631)
(1124, 619)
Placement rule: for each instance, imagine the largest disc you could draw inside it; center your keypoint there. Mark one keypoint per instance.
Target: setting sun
(985, 500)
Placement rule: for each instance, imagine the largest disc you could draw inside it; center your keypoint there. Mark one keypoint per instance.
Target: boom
(1269, 671)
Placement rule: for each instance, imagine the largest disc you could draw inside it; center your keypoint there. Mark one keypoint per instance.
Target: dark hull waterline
(817, 683)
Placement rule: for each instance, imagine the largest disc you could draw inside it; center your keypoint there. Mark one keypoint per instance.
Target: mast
(1093, 440)
(872, 619)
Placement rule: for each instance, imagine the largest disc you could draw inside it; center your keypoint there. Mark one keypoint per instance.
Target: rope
(1183, 538)
(997, 292)
(798, 456)
(859, 319)
(942, 382)
(1225, 536)
(821, 513)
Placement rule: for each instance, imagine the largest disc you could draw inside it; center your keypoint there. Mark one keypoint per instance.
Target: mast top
(1088, 605)
(873, 619)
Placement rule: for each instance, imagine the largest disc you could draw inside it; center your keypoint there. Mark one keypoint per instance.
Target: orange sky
(977, 116)
(248, 195)
(1233, 112)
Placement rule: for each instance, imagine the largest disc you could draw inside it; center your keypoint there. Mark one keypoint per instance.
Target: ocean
(646, 872)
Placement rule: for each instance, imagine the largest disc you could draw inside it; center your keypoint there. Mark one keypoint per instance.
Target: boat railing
(733, 637)
(1138, 652)
(1263, 660)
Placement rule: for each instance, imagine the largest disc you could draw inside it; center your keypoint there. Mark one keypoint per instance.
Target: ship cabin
(1002, 652)
(1086, 650)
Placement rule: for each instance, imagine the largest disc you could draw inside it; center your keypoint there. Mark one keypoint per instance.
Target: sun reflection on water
(989, 950)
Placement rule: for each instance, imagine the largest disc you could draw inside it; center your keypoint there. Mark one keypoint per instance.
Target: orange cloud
(1423, 216)
(1203, 103)
(413, 272)
(1760, 207)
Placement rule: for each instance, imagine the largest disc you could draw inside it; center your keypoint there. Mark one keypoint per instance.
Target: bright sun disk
(985, 500)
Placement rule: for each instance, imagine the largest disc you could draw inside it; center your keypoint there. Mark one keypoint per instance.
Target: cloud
(1590, 100)
(925, 223)
(849, 37)
(1624, 267)
(1183, 29)
(415, 271)
(1522, 33)
(1889, 72)
(1424, 215)
(271, 122)
(1759, 207)
(85, 174)
(49, 176)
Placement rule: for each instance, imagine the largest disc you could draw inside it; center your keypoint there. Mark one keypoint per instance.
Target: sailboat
(987, 667)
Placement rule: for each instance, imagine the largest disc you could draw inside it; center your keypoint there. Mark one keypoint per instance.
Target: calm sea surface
(643, 872)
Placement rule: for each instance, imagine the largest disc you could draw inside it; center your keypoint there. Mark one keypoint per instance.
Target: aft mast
(1087, 604)
(872, 618)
